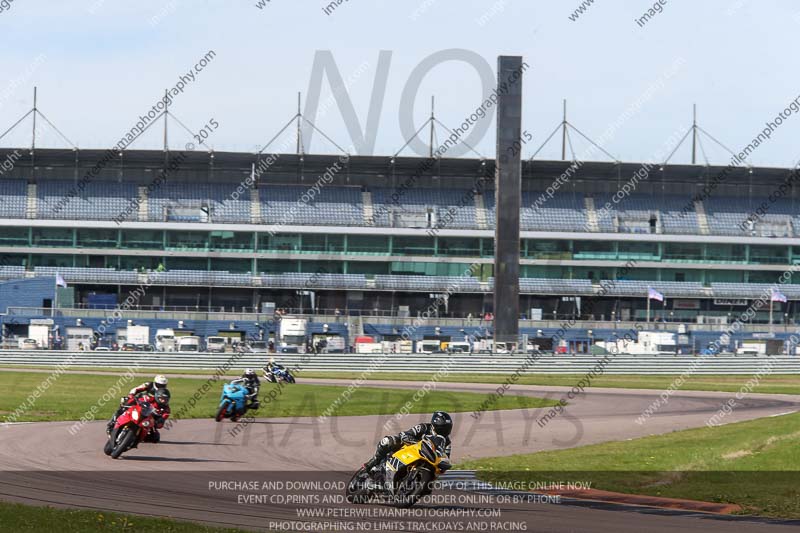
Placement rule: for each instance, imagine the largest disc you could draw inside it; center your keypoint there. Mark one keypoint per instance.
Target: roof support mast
(299, 117)
(694, 133)
(33, 135)
(564, 133)
(430, 151)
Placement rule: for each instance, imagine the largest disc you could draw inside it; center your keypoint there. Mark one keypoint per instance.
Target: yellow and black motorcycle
(404, 477)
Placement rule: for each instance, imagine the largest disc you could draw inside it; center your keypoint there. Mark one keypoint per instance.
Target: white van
(216, 344)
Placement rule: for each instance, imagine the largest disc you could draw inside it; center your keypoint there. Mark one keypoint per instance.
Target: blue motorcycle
(278, 374)
(233, 403)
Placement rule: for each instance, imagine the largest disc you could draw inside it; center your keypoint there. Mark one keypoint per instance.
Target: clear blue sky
(106, 62)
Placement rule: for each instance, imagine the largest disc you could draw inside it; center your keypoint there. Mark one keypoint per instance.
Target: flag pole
(770, 314)
(648, 306)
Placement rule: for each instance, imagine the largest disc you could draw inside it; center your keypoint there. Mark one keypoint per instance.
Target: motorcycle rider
(251, 382)
(441, 424)
(148, 387)
(272, 366)
(161, 412)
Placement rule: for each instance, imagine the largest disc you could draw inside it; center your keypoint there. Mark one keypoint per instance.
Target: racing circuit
(44, 465)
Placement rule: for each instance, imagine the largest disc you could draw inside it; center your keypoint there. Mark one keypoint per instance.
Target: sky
(100, 64)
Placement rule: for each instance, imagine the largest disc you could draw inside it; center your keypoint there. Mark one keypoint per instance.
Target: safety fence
(410, 363)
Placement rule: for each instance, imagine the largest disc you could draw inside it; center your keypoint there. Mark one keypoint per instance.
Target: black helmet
(249, 374)
(442, 423)
(162, 397)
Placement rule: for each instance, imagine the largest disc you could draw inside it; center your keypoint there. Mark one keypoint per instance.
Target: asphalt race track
(306, 461)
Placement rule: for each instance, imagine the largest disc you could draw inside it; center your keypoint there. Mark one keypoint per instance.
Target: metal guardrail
(422, 363)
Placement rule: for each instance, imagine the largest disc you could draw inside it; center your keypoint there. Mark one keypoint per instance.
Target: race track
(43, 463)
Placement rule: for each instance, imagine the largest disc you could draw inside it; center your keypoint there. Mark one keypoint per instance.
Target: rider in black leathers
(146, 388)
(251, 382)
(441, 424)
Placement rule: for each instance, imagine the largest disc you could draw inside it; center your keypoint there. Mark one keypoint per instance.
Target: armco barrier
(481, 364)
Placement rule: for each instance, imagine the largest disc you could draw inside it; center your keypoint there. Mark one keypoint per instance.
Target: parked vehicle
(28, 344)
(165, 340)
(189, 343)
(216, 344)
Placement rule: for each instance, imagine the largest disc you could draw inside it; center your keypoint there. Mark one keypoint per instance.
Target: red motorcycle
(132, 427)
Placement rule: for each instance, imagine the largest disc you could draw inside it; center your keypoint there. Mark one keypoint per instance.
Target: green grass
(24, 518)
(71, 395)
(772, 384)
(754, 464)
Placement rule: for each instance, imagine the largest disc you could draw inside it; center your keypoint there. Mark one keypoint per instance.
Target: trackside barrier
(480, 364)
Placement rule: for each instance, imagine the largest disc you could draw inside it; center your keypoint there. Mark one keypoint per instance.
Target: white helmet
(160, 381)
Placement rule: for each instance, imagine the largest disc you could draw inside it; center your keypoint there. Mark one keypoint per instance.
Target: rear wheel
(123, 441)
(223, 408)
(412, 487)
(357, 491)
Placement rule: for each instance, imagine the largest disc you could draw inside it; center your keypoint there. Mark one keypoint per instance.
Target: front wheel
(123, 442)
(412, 487)
(357, 490)
(109, 446)
(223, 408)
(289, 378)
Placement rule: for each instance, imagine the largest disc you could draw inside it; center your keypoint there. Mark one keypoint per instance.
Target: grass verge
(71, 396)
(29, 519)
(772, 384)
(754, 464)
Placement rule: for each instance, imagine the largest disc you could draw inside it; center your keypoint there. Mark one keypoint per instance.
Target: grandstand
(364, 243)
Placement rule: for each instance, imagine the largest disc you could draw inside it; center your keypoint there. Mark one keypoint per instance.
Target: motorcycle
(131, 428)
(233, 402)
(404, 477)
(278, 374)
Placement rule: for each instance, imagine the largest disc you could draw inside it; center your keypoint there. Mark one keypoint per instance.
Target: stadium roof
(383, 165)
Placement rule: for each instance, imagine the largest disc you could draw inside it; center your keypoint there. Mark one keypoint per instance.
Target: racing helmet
(160, 381)
(162, 397)
(249, 374)
(442, 423)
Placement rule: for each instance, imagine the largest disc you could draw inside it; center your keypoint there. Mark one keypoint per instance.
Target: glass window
(548, 249)
(776, 255)
(52, 237)
(14, 236)
(230, 240)
(282, 242)
(52, 260)
(459, 246)
(140, 239)
(187, 240)
(367, 244)
(682, 251)
(97, 238)
(412, 246)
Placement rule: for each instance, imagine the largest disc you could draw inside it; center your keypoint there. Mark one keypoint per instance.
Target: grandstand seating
(727, 216)
(343, 205)
(12, 198)
(667, 209)
(454, 208)
(285, 205)
(562, 212)
(99, 200)
(215, 198)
